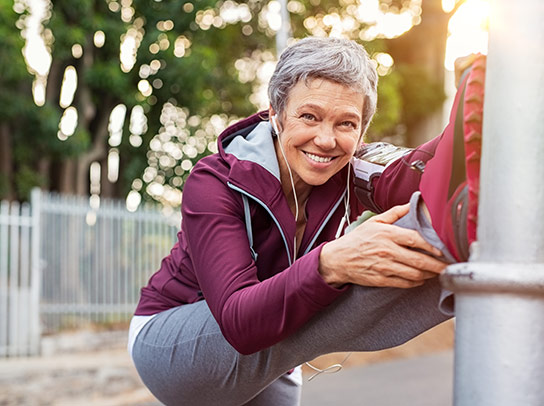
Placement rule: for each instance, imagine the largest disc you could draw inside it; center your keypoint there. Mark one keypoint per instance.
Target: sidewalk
(421, 381)
(109, 379)
(94, 369)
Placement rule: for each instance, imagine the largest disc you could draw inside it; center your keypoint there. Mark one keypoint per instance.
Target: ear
(273, 117)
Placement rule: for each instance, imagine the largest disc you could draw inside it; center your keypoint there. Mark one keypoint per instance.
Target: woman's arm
(400, 179)
(252, 314)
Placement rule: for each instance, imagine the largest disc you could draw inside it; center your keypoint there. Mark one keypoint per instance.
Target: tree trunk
(107, 189)
(67, 177)
(44, 168)
(425, 46)
(87, 113)
(54, 82)
(98, 151)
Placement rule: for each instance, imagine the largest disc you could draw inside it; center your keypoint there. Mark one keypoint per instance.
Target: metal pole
(499, 356)
(283, 35)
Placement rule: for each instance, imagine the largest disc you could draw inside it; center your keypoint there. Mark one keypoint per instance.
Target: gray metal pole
(282, 36)
(499, 356)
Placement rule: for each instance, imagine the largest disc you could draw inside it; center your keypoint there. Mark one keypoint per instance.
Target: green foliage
(14, 74)
(421, 94)
(26, 179)
(104, 77)
(203, 86)
(389, 110)
(78, 143)
(4, 186)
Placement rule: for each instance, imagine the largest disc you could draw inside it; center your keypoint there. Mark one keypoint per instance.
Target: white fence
(19, 284)
(64, 265)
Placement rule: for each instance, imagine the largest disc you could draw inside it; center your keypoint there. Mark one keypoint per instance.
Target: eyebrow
(347, 115)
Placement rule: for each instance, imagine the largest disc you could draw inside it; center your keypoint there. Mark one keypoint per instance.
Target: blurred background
(106, 107)
(129, 94)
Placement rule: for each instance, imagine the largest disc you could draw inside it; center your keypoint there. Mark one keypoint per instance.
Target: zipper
(322, 226)
(314, 238)
(242, 191)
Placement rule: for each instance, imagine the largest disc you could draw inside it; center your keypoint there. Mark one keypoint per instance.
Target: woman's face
(320, 129)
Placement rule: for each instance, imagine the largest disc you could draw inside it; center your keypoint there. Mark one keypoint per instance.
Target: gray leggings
(183, 358)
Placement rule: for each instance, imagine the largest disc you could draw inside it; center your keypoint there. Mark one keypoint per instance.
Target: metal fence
(65, 265)
(19, 285)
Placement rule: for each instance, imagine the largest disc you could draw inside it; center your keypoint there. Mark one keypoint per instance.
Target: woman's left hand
(378, 253)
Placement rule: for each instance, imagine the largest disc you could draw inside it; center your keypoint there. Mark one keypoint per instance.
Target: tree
(419, 55)
(162, 66)
(146, 114)
(18, 116)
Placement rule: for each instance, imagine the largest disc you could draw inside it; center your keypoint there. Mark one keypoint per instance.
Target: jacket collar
(248, 148)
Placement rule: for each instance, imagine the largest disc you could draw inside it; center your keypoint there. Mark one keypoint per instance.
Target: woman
(257, 283)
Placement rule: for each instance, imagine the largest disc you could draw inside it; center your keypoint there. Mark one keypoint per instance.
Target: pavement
(109, 379)
(103, 375)
(421, 381)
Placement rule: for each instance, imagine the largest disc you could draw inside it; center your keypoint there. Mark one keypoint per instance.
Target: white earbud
(274, 123)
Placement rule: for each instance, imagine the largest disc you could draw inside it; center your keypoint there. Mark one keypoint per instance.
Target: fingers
(381, 279)
(401, 236)
(392, 215)
(412, 239)
(404, 263)
(412, 274)
(419, 260)
(396, 282)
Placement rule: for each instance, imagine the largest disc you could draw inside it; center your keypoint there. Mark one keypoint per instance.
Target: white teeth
(320, 159)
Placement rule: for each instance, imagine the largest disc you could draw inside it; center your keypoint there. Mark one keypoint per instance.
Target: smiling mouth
(320, 159)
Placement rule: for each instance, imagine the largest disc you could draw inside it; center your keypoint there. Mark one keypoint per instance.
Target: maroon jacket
(256, 302)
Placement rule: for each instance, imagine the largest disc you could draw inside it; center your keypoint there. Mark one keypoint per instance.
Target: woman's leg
(451, 180)
(446, 169)
(284, 391)
(183, 358)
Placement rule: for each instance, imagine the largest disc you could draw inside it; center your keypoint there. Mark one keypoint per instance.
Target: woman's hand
(378, 253)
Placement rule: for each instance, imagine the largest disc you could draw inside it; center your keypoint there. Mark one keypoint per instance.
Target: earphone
(274, 124)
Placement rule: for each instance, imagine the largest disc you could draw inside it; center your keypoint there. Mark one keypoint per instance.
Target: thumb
(393, 214)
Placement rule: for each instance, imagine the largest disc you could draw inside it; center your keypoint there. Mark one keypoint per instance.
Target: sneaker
(369, 163)
(451, 179)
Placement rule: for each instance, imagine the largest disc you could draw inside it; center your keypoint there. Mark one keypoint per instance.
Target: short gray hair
(338, 60)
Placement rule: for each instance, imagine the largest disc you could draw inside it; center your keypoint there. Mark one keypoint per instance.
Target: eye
(308, 116)
(349, 124)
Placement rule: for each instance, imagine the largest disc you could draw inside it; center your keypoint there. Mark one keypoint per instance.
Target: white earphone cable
(276, 129)
(345, 218)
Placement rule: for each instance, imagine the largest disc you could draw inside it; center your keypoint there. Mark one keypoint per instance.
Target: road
(420, 381)
(419, 374)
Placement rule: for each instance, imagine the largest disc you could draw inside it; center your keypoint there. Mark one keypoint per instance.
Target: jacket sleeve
(252, 314)
(399, 180)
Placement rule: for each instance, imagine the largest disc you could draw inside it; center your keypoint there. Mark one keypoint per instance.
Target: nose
(325, 138)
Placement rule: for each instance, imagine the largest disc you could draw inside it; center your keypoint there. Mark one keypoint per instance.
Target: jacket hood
(247, 149)
(251, 143)
(248, 153)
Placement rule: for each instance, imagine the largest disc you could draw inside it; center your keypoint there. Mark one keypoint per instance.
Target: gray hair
(338, 60)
